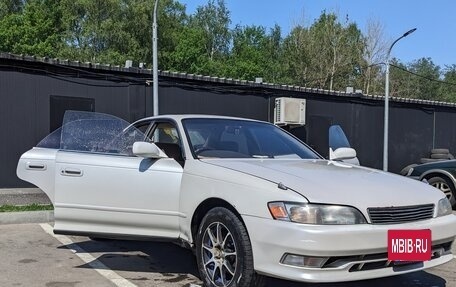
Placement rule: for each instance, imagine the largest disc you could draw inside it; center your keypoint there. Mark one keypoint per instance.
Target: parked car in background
(439, 174)
(247, 197)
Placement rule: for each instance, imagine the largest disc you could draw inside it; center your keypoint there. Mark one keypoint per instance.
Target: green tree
(328, 54)
(374, 53)
(10, 6)
(214, 20)
(113, 31)
(425, 86)
(400, 80)
(96, 31)
(189, 55)
(447, 92)
(36, 30)
(340, 50)
(297, 57)
(248, 55)
(274, 51)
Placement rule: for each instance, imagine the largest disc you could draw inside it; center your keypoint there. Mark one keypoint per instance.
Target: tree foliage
(447, 91)
(34, 29)
(330, 53)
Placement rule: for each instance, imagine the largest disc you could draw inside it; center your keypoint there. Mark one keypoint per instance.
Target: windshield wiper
(262, 156)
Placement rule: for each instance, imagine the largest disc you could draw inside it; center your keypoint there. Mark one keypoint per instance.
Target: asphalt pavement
(33, 256)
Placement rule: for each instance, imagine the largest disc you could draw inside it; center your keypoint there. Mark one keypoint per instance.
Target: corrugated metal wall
(25, 114)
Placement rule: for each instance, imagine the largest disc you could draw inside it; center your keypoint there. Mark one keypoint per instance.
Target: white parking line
(89, 259)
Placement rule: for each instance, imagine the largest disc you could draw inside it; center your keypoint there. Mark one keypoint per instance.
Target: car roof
(179, 117)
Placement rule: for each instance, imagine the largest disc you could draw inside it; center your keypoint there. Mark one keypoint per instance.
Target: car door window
(166, 137)
(165, 133)
(98, 133)
(144, 127)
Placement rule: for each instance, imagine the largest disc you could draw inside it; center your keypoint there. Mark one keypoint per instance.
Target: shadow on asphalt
(141, 256)
(171, 260)
(421, 278)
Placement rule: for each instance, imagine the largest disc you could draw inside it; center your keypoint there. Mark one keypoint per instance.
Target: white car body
(132, 197)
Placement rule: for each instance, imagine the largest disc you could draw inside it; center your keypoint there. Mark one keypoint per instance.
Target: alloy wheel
(443, 186)
(219, 254)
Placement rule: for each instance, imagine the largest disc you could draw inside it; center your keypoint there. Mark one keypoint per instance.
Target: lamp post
(155, 60)
(386, 118)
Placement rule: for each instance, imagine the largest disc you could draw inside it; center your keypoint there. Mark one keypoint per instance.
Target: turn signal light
(278, 210)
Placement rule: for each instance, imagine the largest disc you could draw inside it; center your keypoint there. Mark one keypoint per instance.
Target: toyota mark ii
(249, 198)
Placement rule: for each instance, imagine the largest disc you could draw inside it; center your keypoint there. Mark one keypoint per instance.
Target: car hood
(322, 181)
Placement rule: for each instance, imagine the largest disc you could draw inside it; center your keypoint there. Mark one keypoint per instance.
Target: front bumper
(271, 239)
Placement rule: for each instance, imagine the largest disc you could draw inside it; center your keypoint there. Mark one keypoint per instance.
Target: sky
(435, 21)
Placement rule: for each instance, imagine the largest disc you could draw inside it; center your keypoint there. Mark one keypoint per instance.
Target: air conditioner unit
(290, 111)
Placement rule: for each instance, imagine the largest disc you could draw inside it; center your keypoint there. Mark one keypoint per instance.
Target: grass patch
(30, 207)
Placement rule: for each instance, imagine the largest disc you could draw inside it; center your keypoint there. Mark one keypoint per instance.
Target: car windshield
(226, 138)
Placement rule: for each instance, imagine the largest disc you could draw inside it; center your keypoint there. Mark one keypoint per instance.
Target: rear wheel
(223, 251)
(446, 186)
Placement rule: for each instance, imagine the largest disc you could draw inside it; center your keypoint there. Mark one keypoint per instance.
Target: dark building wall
(445, 129)
(179, 101)
(25, 114)
(25, 111)
(410, 137)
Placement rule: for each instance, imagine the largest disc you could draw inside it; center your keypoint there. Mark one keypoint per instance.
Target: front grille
(388, 215)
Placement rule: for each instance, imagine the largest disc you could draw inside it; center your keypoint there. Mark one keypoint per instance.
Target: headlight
(410, 171)
(444, 207)
(316, 213)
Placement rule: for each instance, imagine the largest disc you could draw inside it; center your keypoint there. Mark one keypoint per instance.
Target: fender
(441, 171)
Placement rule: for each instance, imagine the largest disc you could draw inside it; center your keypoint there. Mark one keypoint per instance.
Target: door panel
(37, 166)
(101, 193)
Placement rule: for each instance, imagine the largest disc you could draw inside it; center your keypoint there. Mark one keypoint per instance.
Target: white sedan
(246, 196)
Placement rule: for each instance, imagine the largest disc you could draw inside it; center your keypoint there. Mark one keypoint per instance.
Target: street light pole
(155, 60)
(386, 118)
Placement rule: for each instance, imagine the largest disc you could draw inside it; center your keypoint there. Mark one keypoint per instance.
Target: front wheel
(446, 186)
(223, 251)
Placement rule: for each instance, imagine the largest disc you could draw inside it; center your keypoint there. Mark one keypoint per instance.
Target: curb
(41, 216)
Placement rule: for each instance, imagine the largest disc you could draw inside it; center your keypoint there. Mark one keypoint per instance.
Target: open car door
(98, 186)
(339, 146)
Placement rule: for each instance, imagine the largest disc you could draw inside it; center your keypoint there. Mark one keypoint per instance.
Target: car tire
(428, 160)
(224, 252)
(446, 186)
(440, 155)
(440, 150)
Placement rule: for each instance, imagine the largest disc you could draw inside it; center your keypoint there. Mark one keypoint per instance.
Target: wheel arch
(207, 205)
(438, 172)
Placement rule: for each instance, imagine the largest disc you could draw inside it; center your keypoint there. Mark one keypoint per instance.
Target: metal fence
(35, 94)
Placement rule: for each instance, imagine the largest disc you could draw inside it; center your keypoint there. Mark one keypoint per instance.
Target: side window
(166, 137)
(143, 126)
(165, 133)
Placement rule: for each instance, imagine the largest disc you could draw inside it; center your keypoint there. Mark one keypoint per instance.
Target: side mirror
(339, 147)
(147, 150)
(343, 154)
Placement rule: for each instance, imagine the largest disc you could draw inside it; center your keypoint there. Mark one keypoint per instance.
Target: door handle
(35, 166)
(71, 172)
